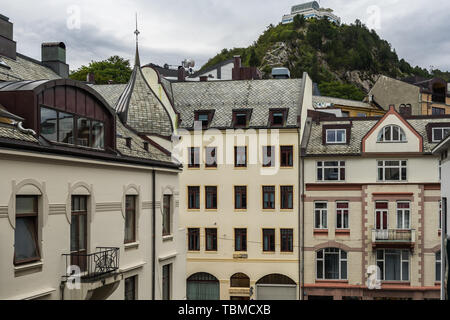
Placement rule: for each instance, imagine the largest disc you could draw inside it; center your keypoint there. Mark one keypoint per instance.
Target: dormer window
(391, 133)
(205, 117)
(277, 118)
(440, 133)
(336, 136)
(67, 128)
(240, 119)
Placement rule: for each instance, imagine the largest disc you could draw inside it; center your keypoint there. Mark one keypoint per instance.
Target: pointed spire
(137, 61)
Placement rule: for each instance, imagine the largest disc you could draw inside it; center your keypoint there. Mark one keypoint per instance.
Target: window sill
(29, 266)
(398, 283)
(194, 251)
(211, 168)
(193, 210)
(342, 232)
(320, 232)
(131, 245)
(167, 238)
(211, 210)
(331, 281)
(240, 210)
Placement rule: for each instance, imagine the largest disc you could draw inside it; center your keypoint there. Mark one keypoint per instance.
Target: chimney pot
(236, 73)
(54, 57)
(181, 74)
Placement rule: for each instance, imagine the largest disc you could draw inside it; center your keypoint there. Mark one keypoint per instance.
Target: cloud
(172, 30)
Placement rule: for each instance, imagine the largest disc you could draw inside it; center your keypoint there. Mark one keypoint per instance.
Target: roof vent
(281, 73)
(128, 142)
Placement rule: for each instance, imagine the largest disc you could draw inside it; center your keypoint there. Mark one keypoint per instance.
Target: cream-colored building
(372, 208)
(88, 204)
(241, 217)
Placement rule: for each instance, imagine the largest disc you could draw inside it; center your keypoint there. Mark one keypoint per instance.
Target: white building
(310, 10)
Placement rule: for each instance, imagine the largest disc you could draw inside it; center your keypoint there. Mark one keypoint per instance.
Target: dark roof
(24, 68)
(225, 96)
(165, 72)
(359, 128)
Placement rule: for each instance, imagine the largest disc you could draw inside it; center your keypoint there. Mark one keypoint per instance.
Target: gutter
(153, 233)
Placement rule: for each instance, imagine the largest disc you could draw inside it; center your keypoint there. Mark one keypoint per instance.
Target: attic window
(205, 117)
(336, 136)
(240, 119)
(277, 118)
(392, 133)
(440, 133)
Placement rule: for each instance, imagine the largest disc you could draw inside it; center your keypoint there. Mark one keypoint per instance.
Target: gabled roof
(225, 96)
(24, 68)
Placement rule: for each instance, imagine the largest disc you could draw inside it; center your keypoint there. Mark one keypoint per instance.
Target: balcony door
(381, 219)
(78, 232)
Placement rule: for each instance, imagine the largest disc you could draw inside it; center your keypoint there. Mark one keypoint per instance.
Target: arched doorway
(276, 287)
(202, 286)
(240, 282)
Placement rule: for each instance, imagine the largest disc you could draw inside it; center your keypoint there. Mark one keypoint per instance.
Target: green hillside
(344, 60)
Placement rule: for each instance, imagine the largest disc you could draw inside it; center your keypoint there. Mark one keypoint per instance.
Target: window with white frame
(403, 215)
(342, 215)
(438, 266)
(330, 170)
(391, 133)
(393, 264)
(336, 136)
(331, 264)
(440, 133)
(392, 170)
(320, 215)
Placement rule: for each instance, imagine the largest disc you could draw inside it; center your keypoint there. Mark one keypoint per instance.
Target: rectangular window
(342, 215)
(437, 111)
(66, 128)
(403, 215)
(204, 117)
(331, 171)
(49, 124)
(194, 158)
(211, 197)
(83, 132)
(167, 216)
(277, 118)
(438, 266)
(287, 197)
(78, 232)
(211, 157)
(240, 119)
(394, 264)
(240, 239)
(240, 156)
(211, 239)
(97, 135)
(130, 219)
(130, 288)
(392, 170)
(26, 248)
(320, 215)
(440, 133)
(287, 156)
(240, 197)
(336, 136)
(381, 215)
(268, 156)
(440, 215)
(269, 240)
(193, 197)
(287, 240)
(166, 281)
(268, 197)
(194, 239)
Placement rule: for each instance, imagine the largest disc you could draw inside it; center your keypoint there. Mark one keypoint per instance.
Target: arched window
(276, 278)
(438, 266)
(392, 133)
(239, 280)
(331, 264)
(202, 286)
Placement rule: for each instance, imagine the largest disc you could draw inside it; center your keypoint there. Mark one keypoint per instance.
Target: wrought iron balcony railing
(92, 265)
(394, 235)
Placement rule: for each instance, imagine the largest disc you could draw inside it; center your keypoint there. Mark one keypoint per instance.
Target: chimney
(90, 78)
(203, 78)
(181, 74)
(7, 44)
(54, 57)
(236, 73)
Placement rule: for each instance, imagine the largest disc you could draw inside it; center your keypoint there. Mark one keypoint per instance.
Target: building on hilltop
(310, 10)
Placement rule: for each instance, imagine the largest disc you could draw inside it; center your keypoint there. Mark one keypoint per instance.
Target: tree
(114, 68)
(341, 90)
(253, 60)
(299, 21)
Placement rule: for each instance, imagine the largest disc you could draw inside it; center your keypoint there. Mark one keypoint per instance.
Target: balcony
(93, 266)
(393, 238)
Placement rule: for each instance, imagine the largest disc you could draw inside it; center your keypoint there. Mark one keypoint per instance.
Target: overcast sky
(172, 30)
